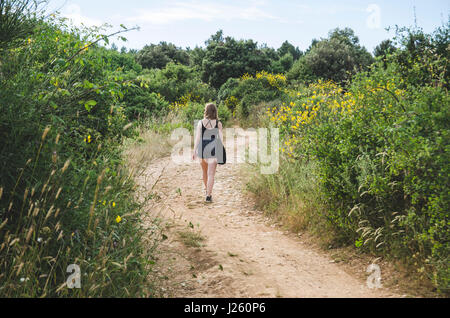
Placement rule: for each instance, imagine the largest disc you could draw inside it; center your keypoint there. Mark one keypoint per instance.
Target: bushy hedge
(64, 197)
(382, 148)
(176, 81)
(242, 95)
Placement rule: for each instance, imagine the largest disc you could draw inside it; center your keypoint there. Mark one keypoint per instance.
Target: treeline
(336, 57)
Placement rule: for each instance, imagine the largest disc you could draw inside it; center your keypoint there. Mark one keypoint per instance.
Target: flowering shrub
(382, 150)
(242, 95)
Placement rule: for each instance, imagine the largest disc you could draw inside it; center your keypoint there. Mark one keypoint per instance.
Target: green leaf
(87, 84)
(53, 104)
(89, 104)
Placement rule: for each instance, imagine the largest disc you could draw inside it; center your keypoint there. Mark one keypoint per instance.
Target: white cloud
(181, 11)
(73, 13)
(321, 9)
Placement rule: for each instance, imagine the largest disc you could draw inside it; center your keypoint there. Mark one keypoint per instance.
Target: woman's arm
(197, 139)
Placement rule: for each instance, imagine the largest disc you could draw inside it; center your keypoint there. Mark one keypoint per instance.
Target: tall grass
(293, 197)
(89, 218)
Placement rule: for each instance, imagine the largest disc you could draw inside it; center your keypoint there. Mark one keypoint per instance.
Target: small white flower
(39, 240)
(22, 280)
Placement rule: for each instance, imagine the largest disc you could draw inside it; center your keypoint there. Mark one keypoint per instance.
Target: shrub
(141, 103)
(227, 58)
(192, 112)
(158, 56)
(241, 95)
(62, 186)
(383, 155)
(177, 81)
(336, 58)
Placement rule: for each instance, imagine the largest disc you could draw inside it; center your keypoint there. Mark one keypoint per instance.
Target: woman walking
(209, 147)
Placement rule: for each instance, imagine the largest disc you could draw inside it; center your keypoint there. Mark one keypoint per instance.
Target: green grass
(191, 238)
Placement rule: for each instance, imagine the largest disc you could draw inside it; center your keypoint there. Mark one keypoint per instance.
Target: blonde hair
(211, 111)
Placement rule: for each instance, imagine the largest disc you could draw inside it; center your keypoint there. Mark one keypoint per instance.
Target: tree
(196, 56)
(283, 65)
(158, 56)
(216, 38)
(384, 48)
(421, 57)
(336, 58)
(346, 36)
(287, 47)
(226, 58)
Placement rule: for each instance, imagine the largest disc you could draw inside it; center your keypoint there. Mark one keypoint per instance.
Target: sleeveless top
(207, 147)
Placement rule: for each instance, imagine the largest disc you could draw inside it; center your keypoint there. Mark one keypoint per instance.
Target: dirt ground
(229, 249)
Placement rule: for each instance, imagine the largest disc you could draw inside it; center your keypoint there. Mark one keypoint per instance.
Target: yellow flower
(118, 219)
(104, 203)
(114, 204)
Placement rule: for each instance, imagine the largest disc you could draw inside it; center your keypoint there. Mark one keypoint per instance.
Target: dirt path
(242, 254)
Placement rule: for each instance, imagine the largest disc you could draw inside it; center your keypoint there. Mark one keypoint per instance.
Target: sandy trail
(243, 255)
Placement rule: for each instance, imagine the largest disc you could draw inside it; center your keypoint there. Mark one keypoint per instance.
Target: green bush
(177, 81)
(62, 186)
(383, 153)
(141, 103)
(158, 56)
(336, 58)
(382, 149)
(226, 58)
(195, 111)
(242, 95)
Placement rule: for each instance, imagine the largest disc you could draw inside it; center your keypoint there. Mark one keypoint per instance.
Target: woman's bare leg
(205, 173)
(212, 167)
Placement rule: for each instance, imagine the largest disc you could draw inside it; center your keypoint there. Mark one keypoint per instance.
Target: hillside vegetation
(365, 148)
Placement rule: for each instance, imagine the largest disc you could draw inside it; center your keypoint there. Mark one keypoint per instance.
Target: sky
(190, 23)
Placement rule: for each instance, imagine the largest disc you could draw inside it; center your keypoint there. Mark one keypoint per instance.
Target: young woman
(209, 147)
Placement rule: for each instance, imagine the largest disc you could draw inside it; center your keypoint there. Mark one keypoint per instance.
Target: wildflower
(104, 203)
(39, 240)
(114, 204)
(118, 219)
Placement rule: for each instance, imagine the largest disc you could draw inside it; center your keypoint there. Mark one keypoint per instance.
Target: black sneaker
(209, 199)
